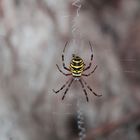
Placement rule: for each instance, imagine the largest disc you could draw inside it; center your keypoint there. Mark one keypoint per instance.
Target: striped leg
(83, 89)
(90, 72)
(62, 87)
(91, 89)
(91, 58)
(66, 74)
(64, 66)
(67, 88)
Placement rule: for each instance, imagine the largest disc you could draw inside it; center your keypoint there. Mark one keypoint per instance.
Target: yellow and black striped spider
(76, 70)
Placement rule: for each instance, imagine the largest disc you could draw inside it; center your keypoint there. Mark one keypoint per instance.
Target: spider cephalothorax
(76, 70)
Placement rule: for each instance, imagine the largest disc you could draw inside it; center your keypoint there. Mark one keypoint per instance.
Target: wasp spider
(76, 70)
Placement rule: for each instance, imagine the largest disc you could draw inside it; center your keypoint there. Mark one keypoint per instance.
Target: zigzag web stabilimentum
(77, 37)
(65, 105)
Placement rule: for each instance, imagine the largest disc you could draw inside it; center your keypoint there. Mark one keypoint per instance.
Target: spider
(76, 71)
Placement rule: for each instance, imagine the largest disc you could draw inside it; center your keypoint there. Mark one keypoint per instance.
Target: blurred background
(32, 37)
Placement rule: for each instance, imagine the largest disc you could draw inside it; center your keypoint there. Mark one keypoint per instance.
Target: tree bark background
(32, 37)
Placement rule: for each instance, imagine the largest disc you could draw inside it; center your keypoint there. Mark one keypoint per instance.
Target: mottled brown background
(33, 34)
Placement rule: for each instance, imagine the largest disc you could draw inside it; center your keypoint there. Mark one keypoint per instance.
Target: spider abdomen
(76, 66)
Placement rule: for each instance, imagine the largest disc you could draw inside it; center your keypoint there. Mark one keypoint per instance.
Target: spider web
(130, 68)
(72, 46)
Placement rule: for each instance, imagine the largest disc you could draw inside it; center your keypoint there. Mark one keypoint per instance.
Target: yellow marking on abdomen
(73, 66)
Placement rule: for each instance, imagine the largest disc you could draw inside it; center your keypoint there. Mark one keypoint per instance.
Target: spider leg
(66, 74)
(83, 89)
(67, 88)
(64, 66)
(90, 72)
(91, 58)
(91, 89)
(61, 87)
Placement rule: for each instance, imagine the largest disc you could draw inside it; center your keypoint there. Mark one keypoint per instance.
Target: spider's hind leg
(61, 87)
(91, 89)
(84, 89)
(67, 89)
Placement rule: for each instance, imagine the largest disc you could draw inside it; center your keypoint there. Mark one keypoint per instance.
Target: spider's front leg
(91, 58)
(64, 66)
